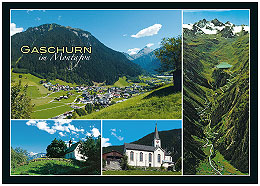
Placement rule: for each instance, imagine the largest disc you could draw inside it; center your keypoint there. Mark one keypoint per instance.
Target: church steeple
(156, 140)
(156, 134)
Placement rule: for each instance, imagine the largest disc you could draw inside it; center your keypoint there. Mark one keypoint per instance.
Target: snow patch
(188, 26)
(75, 33)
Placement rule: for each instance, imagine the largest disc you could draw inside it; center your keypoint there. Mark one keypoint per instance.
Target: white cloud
(31, 122)
(37, 18)
(59, 17)
(149, 31)
(73, 128)
(42, 125)
(30, 10)
(125, 35)
(64, 125)
(61, 134)
(114, 130)
(95, 132)
(63, 121)
(105, 143)
(120, 138)
(14, 29)
(88, 134)
(133, 51)
(149, 44)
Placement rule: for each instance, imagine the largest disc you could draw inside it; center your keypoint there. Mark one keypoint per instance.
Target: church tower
(156, 140)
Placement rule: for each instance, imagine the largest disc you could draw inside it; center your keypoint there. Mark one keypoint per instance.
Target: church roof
(72, 148)
(139, 147)
(156, 134)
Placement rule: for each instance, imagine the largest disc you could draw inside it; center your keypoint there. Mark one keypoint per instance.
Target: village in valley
(98, 96)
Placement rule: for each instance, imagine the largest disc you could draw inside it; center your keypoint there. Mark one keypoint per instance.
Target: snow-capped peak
(214, 26)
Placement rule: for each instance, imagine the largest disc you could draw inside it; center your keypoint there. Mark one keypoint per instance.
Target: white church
(148, 156)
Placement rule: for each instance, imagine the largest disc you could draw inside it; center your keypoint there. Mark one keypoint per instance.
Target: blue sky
(114, 28)
(118, 132)
(237, 17)
(35, 135)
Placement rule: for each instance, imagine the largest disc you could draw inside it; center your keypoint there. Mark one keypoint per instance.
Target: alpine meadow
(216, 98)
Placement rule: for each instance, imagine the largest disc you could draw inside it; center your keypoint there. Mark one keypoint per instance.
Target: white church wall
(158, 152)
(168, 158)
(137, 158)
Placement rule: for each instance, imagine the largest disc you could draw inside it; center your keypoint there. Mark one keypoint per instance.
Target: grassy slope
(47, 167)
(225, 51)
(43, 109)
(160, 103)
(139, 172)
(121, 82)
(220, 163)
(31, 81)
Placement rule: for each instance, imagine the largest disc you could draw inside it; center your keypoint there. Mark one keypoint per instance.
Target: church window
(150, 157)
(132, 156)
(159, 158)
(141, 156)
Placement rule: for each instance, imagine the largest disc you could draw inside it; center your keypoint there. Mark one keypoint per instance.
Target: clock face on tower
(157, 141)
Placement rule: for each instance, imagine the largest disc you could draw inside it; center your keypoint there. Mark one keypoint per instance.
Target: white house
(73, 152)
(148, 156)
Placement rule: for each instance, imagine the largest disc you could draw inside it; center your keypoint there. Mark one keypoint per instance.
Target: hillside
(104, 65)
(171, 141)
(161, 103)
(216, 103)
(54, 166)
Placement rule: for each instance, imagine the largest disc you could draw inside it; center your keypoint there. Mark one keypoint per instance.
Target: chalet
(113, 160)
(73, 152)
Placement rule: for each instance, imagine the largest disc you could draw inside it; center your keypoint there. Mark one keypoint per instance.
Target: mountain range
(214, 26)
(35, 155)
(105, 64)
(146, 59)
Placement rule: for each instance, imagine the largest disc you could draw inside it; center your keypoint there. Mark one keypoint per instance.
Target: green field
(31, 81)
(224, 167)
(47, 167)
(139, 172)
(50, 111)
(161, 103)
(52, 167)
(122, 82)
